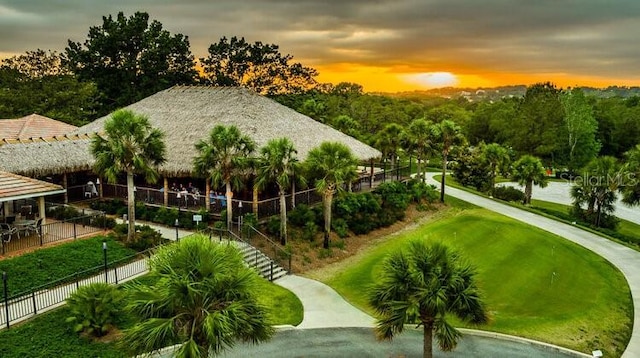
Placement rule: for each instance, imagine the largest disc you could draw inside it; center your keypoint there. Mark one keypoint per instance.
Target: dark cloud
(586, 37)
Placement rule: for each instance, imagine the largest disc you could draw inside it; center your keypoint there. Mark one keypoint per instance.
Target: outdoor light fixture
(104, 250)
(176, 224)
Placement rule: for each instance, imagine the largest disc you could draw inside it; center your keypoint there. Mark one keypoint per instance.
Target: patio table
(22, 225)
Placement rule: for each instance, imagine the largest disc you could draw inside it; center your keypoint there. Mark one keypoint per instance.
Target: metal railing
(53, 232)
(20, 306)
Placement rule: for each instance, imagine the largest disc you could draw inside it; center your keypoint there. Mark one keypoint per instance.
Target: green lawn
(586, 304)
(626, 233)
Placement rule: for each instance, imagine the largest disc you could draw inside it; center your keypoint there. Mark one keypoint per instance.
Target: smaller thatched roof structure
(187, 114)
(32, 126)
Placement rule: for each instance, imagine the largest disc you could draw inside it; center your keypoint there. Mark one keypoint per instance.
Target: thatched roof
(187, 114)
(46, 157)
(32, 126)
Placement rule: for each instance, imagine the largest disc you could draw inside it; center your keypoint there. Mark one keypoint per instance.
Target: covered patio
(22, 205)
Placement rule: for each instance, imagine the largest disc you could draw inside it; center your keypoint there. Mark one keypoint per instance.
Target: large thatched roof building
(187, 114)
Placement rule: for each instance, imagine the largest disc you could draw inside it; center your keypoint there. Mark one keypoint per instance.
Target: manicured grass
(48, 335)
(626, 233)
(285, 307)
(537, 285)
(54, 263)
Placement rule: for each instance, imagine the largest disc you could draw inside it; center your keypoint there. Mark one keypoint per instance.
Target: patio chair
(35, 227)
(7, 231)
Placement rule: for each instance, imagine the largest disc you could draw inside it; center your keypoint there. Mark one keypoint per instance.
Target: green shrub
(301, 215)
(109, 206)
(324, 253)
(309, 231)
(103, 222)
(340, 227)
(339, 244)
(422, 192)
(395, 198)
(359, 210)
(63, 212)
(508, 193)
(145, 237)
(273, 226)
(94, 308)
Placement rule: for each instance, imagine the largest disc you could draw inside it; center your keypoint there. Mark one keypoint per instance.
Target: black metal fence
(52, 232)
(20, 306)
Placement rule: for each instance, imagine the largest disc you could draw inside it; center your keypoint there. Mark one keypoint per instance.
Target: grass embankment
(537, 285)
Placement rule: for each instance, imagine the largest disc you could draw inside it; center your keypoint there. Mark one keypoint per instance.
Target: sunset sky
(385, 45)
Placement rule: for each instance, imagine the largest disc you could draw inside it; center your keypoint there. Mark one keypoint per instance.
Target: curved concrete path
(624, 258)
(560, 193)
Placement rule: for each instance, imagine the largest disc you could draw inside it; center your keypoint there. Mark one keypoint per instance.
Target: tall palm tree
(333, 164)
(527, 171)
(278, 163)
(449, 136)
(497, 157)
(424, 284)
(224, 159)
(421, 140)
(204, 300)
(130, 145)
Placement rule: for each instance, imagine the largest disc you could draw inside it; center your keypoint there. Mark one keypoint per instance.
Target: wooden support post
(165, 194)
(64, 185)
(372, 173)
(207, 193)
(255, 201)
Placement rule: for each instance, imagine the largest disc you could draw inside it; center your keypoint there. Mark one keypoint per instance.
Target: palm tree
(423, 285)
(597, 188)
(527, 171)
(448, 134)
(420, 139)
(278, 163)
(631, 189)
(389, 140)
(497, 157)
(224, 158)
(205, 299)
(334, 164)
(131, 146)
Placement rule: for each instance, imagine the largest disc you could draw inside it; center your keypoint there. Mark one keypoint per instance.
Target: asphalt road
(361, 342)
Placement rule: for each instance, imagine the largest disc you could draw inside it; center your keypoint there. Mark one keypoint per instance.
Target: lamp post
(177, 224)
(104, 250)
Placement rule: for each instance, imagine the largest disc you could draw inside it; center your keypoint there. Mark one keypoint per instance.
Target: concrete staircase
(262, 263)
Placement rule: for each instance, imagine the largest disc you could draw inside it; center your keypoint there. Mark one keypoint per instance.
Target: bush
(422, 192)
(63, 212)
(340, 227)
(145, 237)
(301, 215)
(104, 222)
(508, 193)
(309, 231)
(109, 206)
(273, 226)
(395, 199)
(94, 308)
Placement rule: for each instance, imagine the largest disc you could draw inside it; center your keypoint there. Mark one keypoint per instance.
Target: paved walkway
(624, 258)
(324, 307)
(560, 192)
